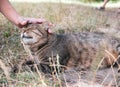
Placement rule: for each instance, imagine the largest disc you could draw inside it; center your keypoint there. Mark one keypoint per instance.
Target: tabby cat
(66, 51)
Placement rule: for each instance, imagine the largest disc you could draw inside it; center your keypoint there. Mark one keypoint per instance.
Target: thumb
(23, 23)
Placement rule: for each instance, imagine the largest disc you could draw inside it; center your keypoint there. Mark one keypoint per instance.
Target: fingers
(24, 22)
(40, 20)
(35, 20)
(49, 31)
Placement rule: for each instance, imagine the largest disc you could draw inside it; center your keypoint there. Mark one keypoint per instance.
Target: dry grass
(66, 18)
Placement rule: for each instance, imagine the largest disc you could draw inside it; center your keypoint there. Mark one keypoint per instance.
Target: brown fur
(75, 49)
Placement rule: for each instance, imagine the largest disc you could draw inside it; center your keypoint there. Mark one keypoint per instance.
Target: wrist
(21, 22)
(18, 21)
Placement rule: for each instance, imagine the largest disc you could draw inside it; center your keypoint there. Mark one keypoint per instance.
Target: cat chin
(28, 41)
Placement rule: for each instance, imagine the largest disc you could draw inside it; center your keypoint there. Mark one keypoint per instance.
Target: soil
(101, 78)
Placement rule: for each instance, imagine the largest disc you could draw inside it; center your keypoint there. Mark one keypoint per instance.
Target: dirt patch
(101, 78)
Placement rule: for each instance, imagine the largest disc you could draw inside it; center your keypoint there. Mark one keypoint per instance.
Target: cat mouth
(26, 37)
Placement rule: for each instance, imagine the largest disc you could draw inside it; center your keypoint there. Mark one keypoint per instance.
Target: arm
(10, 13)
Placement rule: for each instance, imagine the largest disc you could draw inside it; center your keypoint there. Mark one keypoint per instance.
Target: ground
(66, 18)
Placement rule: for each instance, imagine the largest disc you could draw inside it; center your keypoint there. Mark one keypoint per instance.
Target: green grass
(66, 18)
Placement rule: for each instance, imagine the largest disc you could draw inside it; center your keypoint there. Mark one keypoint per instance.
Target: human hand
(23, 22)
